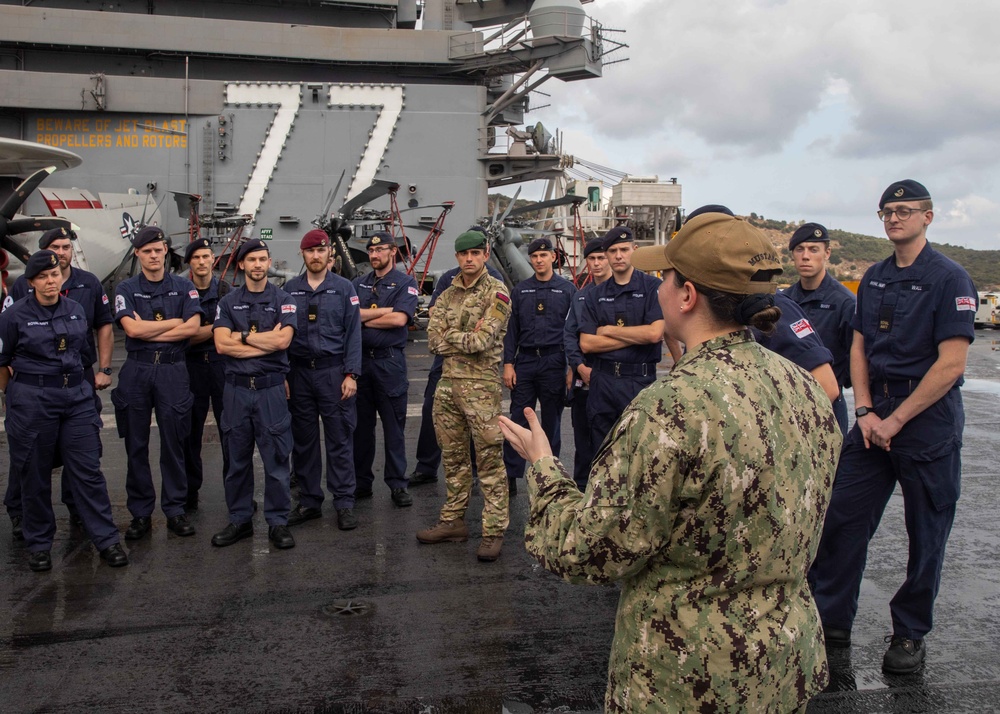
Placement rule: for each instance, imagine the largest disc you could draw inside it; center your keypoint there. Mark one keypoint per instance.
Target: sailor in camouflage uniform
(467, 328)
(707, 499)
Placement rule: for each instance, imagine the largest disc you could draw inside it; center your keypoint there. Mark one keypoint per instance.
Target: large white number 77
(288, 98)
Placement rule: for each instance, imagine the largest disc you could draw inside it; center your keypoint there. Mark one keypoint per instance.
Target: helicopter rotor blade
(542, 205)
(333, 194)
(378, 189)
(510, 206)
(425, 207)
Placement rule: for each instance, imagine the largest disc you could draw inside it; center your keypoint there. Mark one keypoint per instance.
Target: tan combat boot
(445, 532)
(489, 549)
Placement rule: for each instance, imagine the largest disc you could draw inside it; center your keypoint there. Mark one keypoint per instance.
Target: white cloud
(974, 218)
(797, 107)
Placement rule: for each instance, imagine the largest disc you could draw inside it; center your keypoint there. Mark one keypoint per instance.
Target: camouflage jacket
(467, 327)
(707, 502)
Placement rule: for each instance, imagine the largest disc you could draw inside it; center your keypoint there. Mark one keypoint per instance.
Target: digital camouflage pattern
(707, 502)
(467, 327)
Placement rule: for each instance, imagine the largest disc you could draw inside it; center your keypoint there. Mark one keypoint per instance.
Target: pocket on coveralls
(120, 404)
(183, 411)
(281, 437)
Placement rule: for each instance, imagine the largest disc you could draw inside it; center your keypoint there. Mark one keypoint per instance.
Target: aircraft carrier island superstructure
(278, 111)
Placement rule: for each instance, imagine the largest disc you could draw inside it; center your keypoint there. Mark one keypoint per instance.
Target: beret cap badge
(899, 192)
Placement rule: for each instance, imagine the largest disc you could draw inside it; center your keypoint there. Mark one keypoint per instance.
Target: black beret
(251, 246)
(905, 190)
(618, 234)
(380, 238)
(539, 244)
(195, 245)
(40, 261)
(594, 245)
(710, 208)
(55, 234)
(809, 233)
(147, 234)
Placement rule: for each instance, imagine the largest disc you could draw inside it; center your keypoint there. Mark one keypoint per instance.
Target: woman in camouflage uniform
(706, 500)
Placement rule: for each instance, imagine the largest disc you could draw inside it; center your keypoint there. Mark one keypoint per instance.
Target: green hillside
(853, 253)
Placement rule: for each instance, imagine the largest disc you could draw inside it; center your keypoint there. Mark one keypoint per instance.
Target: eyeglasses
(380, 249)
(901, 213)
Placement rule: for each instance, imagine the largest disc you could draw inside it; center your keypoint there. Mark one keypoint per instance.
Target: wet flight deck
(371, 621)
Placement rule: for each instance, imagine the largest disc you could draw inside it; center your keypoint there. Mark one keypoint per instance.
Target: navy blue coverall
(50, 406)
(86, 289)
(155, 377)
(620, 374)
(534, 344)
(584, 448)
(794, 337)
(207, 376)
(254, 407)
(830, 309)
(903, 315)
(326, 347)
(383, 385)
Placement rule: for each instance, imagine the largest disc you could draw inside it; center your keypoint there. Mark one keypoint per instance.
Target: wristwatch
(105, 370)
(244, 335)
(861, 411)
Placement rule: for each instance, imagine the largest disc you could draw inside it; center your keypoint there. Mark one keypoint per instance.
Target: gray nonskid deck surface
(371, 621)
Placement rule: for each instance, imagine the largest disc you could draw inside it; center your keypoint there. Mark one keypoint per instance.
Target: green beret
(470, 240)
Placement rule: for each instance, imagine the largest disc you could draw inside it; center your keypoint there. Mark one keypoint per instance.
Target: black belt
(316, 362)
(207, 356)
(256, 381)
(58, 381)
(156, 357)
(541, 351)
(894, 388)
(378, 352)
(626, 369)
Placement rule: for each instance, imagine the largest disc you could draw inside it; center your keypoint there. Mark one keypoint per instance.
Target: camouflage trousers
(463, 407)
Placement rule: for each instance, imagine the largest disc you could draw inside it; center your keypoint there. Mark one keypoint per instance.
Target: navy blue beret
(40, 261)
(905, 190)
(55, 234)
(709, 208)
(251, 246)
(594, 245)
(809, 233)
(618, 234)
(380, 238)
(195, 245)
(147, 234)
(539, 244)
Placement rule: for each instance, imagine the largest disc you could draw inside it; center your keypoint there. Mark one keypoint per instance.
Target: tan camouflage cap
(717, 251)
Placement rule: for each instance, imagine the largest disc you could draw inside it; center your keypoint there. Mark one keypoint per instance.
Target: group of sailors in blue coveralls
(905, 337)
(192, 345)
(340, 348)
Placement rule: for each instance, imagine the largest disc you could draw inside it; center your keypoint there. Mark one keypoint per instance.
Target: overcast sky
(800, 110)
